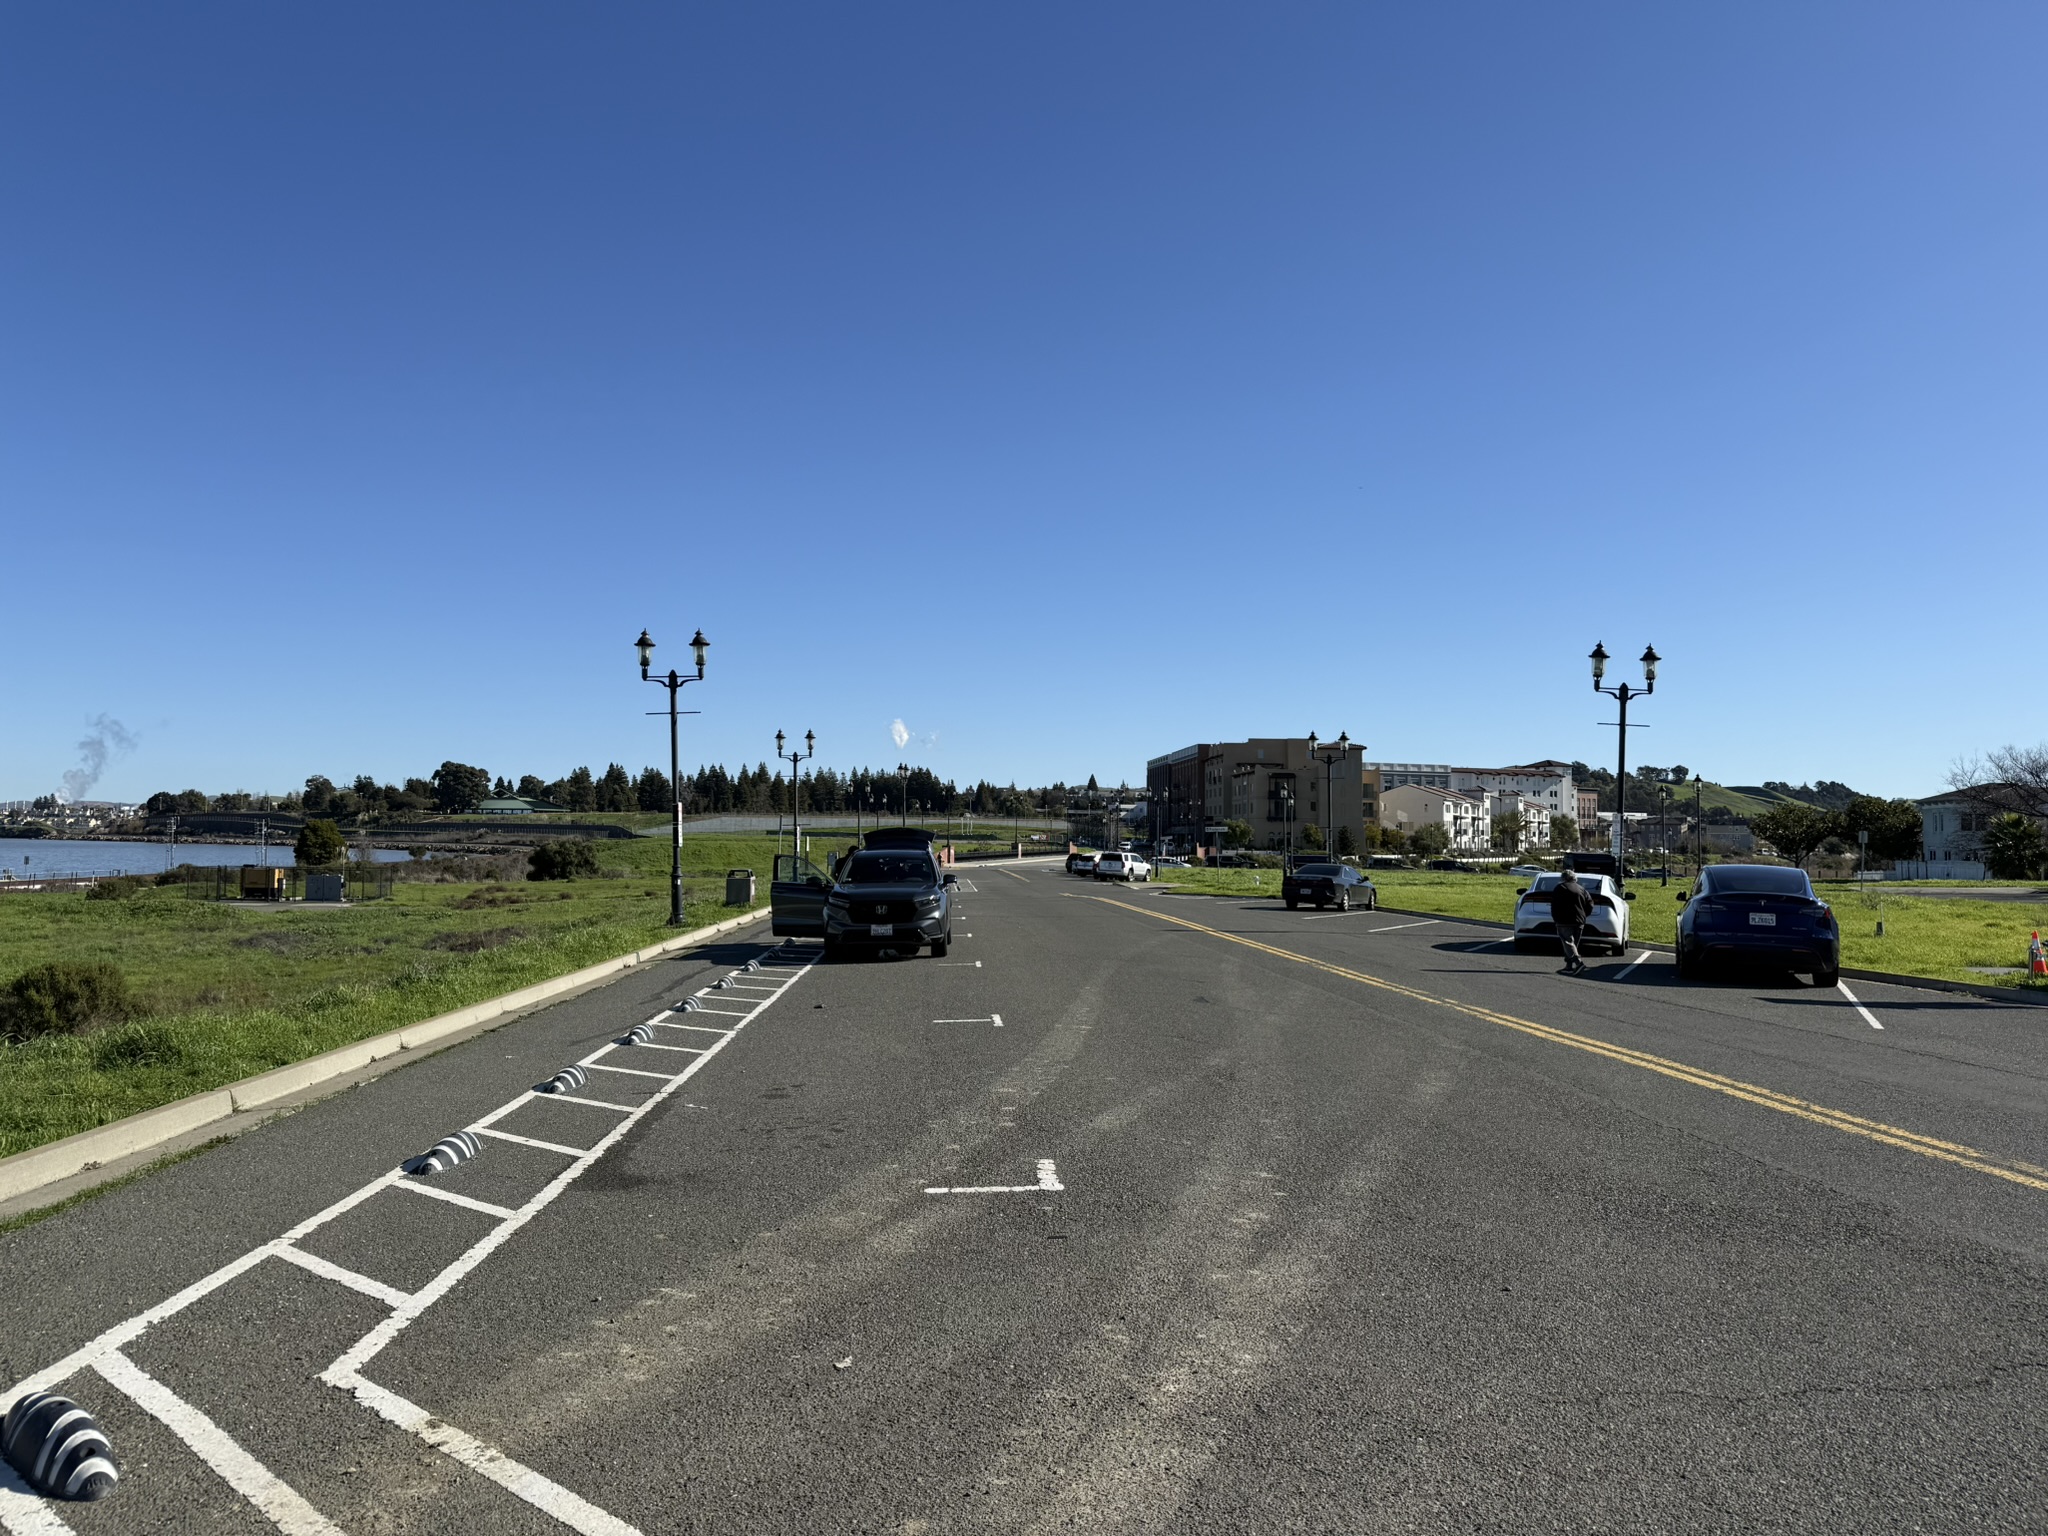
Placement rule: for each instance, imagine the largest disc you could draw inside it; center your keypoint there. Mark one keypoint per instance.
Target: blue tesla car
(1763, 914)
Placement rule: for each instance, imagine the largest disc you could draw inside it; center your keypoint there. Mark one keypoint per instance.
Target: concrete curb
(40, 1167)
(1890, 978)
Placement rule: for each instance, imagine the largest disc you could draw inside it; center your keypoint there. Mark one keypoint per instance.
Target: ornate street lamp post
(674, 683)
(1621, 695)
(1330, 756)
(796, 808)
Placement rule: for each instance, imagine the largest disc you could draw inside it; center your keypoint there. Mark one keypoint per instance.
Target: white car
(1526, 871)
(1122, 866)
(1607, 926)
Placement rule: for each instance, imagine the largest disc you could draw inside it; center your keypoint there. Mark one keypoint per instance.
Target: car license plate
(882, 930)
(1763, 919)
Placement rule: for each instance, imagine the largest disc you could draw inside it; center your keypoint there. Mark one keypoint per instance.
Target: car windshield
(888, 869)
(1542, 885)
(1318, 871)
(1757, 880)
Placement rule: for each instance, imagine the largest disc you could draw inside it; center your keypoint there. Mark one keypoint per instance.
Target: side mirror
(952, 879)
(1521, 890)
(1628, 895)
(1681, 896)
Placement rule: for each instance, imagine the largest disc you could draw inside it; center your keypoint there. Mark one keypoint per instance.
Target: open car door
(796, 898)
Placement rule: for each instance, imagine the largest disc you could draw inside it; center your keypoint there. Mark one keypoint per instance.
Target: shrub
(320, 843)
(563, 860)
(117, 887)
(63, 997)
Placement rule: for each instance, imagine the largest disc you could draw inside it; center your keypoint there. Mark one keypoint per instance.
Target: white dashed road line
(1048, 1180)
(1393, 926)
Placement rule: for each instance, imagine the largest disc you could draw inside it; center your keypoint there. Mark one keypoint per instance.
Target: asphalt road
(1256, 1221)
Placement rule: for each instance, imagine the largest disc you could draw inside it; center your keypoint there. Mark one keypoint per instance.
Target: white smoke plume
(899, 733)
(106, 739)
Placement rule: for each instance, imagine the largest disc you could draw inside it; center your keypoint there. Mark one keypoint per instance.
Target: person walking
(1570, 906)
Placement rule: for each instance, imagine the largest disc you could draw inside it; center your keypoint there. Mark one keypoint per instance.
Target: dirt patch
(275, 943)
(469, 943)
(489, 896)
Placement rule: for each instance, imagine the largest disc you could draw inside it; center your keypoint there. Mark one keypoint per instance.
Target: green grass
(1928, 937)
(232, 992)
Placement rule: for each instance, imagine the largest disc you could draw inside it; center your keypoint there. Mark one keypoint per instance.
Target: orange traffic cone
(2037, 958)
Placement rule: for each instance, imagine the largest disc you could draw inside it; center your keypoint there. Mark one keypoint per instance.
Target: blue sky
(1068, 383)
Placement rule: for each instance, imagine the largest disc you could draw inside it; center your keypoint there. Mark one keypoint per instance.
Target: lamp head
(1312, 743)
(645, 646)
(810, 742)
(698, 646)
(1650, 660)
(778, 745)
(1599, 659)
(1344, 741)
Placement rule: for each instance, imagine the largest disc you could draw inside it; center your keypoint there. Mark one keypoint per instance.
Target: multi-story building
(1541, 790)
(1589, 809)
(1952, 828)
(1270, 782)
(1394, 775)
(1466, 820)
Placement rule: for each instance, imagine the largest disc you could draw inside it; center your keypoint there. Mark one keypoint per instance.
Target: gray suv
(893, 898)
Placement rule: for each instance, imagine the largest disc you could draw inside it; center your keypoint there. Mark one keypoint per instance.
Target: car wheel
(1524, 947)
(1344, 902)
(1687, 967)
(939, 947)
(1827, 978)
(1292, 903)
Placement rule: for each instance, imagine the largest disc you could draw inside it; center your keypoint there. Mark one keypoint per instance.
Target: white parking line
(1868, 1017)
(994, 1018)
(390, 1295)
(22, 1513)
(1316, 917)
(578, 1513)
(1390, 928)
(530, 1141)
(415, 1187)
(1048, 1180)
(1639, 959)
(241, 1471)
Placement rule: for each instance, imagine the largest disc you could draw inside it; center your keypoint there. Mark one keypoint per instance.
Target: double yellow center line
(1767, 1098)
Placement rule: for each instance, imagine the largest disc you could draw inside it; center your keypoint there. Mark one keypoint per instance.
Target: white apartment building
(1543, 789)
(1466, 819)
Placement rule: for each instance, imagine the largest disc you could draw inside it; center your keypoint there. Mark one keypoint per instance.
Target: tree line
(455, 788)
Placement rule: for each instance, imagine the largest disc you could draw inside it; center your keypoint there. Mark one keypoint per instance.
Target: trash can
(739, 887)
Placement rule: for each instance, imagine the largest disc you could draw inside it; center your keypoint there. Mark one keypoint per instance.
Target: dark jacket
(1570, 904)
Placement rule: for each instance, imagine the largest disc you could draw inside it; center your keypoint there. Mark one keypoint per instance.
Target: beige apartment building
(1467, 820)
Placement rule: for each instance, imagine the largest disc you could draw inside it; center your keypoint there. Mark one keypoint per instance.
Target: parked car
(1526, 871)
(1172, 861)
(1329, 885)
(1758, 912)
(896, 899)
(1607, 926)
(1122, 866)
(1453, 864)
(1236, 861)
(1082, 861)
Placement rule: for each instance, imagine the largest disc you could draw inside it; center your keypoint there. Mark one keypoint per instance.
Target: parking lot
(1136, 1212)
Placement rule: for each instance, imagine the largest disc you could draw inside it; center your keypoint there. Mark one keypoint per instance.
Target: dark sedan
(889, 899)
(1762, 914)
(1328, 885)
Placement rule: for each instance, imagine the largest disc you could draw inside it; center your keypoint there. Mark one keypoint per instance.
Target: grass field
(232, 991)
(1926, 937)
